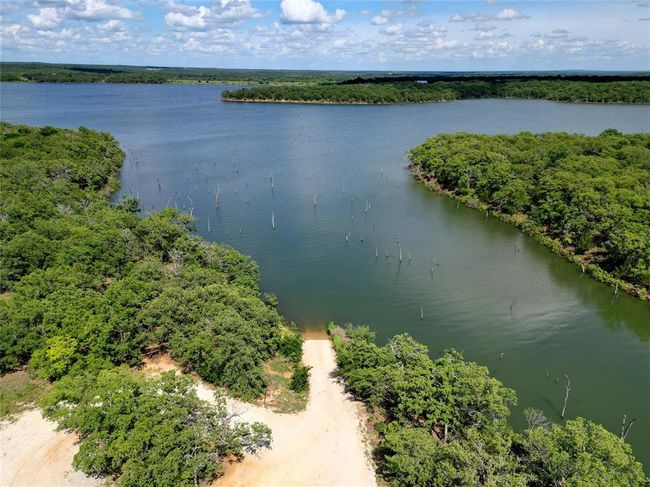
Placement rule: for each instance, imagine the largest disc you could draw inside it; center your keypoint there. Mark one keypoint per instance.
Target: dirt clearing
(33, 454)
(320, 446)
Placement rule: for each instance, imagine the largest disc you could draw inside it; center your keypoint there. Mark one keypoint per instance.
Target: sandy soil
(320, 446)
(33, 454)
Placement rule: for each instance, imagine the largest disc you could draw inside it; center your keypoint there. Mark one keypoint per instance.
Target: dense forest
(416, 92)
(88, 73)
(587, 198)
(443, 422)
(88, 288)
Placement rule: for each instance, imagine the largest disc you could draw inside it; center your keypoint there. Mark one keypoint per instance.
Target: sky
(350, 35)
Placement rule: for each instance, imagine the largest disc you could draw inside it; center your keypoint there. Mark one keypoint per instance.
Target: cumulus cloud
(507, 14)
(46, 18)
(308, 12)
(510, 14)
(181, 16)
(562, 42)
(195, 20)
(381, 19)
(491, 35)
(97, 10)
(54, 13)
(112, 25)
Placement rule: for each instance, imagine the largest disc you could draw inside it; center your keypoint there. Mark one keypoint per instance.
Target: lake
(465, 281)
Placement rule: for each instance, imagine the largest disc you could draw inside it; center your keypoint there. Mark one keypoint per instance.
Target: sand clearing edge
(323, 445)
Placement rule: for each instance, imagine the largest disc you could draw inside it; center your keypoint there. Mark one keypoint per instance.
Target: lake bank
(520, 221)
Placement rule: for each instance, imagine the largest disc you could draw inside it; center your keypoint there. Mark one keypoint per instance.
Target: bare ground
(34, 454)
(321, 446)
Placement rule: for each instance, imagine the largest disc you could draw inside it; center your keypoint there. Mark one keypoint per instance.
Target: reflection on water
(482, 286)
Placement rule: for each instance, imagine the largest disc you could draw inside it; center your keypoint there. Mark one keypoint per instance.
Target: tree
(580, 453)
(149, 431)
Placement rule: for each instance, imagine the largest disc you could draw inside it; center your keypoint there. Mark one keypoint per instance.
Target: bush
(291, 347)
(300, 379)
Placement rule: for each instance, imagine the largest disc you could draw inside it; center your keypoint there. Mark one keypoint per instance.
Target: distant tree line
(439, 91)
(80, 73)
(443, 423)
(87, 289)
(585, 197)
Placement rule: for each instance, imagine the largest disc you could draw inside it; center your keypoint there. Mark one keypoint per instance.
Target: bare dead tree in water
(567, 389)
(625, 426)
(399, 245)
(217, 198)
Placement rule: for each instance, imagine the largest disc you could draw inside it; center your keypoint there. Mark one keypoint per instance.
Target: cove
(464, 272)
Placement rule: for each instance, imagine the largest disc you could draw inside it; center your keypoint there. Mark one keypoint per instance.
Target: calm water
(561, 321)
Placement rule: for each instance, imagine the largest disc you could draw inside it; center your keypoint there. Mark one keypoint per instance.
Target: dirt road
(320, 446)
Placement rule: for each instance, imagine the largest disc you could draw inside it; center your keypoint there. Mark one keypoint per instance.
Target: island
(427, 89)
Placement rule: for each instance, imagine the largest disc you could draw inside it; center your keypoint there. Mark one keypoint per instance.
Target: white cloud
(186, 17)
(112, 25)
(46, 18)
(504, 15)
(381, 19)
(510, 14)
(392, 30)
(12, 30)
(196, 20)
(308, 12)
(97, 10)
(491, 35)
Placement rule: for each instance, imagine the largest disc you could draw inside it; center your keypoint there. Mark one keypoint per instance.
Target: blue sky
(308, 34)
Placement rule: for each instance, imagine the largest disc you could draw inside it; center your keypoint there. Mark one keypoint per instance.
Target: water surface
(483, 287)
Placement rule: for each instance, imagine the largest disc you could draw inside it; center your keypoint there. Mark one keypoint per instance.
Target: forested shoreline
(91, 73)
(89, 288)
(587, 198)
(443, 422)
(390, 92)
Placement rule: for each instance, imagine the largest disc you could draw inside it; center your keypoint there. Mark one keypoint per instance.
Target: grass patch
(19, 391)
(279, 397)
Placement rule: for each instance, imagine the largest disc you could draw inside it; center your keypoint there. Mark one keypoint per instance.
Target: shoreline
(593, 270)
(330, 102)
